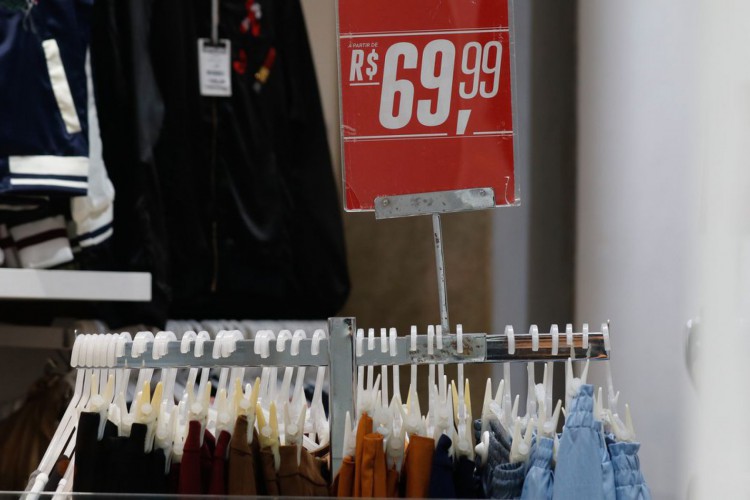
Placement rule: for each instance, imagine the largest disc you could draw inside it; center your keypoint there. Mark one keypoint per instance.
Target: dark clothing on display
(229, 202)
(218, 484)
(197, 461)
(441, 477)
(87, 463)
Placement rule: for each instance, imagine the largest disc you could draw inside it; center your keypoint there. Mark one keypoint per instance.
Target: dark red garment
(197, 461)
(218, 484)
(207, 460)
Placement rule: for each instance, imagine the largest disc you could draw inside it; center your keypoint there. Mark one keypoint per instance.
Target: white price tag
(214, 67)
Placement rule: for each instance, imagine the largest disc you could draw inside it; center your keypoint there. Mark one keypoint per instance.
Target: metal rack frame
(339, 355)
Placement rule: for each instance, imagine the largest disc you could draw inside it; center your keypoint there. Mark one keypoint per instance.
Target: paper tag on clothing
(214, 67)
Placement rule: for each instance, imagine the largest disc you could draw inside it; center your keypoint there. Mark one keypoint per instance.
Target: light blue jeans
(629, 481)
(539, 479)
(583, 467)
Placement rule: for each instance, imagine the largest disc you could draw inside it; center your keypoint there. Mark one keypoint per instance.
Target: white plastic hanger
(269, 432)
(283, 395)
(296, 411)
(350, 440)
(520, 448)
(249, 405)
(393, 350)
(508, 420)
(294, 429)
(482, 449)
(317, 415)
(573, 384)
(463, 421)
(268, 375)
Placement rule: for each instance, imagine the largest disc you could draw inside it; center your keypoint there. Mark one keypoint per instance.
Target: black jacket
(229, 202)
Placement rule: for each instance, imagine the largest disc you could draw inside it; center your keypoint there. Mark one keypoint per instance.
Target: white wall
(637, 211)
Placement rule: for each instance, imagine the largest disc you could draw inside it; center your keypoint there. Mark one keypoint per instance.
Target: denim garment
(629, 481)
(498, 453)
(507, 480)
(608, 472)
(583, 467)
(539, 479)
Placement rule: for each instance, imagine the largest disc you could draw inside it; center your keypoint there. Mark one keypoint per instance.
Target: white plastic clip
(555, 332)
(534, 338)
(187, 338)
(392, 342)
(585, 335)
(284, 335)
(569, 334)
(318, 335)
(605, 334)
(360, 341)
(460, 339)
(413, 343)
(299, 336)
(511, 340)
(199, 341)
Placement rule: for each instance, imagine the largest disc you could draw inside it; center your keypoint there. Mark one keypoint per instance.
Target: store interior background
(634, 119)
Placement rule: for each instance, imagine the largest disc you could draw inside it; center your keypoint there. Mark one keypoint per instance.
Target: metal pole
(341, 384)
(437, 230)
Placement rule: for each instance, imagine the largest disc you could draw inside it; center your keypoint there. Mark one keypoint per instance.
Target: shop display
(259, 438)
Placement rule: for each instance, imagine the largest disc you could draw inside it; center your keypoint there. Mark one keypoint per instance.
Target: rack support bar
(341, 385)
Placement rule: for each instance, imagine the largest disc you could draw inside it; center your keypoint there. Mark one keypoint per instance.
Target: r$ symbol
(372, 64)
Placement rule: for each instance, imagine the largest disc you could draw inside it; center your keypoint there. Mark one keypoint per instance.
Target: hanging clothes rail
(340, 353)
(477, 348)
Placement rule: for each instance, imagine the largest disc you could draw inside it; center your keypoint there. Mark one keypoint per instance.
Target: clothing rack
(339, 353)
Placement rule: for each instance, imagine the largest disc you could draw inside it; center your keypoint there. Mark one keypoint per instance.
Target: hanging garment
(498, 453)
(304, 479)
(507, 480)
(580, 470)
(87, 465)
(215, 195)
(218, 483)
(539, 479)
(343, 484)
(197, 461)
(415, 477)
(270, 475)
(159, 480)
(608, 471)
(441, 476)
(364, 427)
(245, 476)
(629, 481)
(468, 485)
(43, 133)
(373, 469)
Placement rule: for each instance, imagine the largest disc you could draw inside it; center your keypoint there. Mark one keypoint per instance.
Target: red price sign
(426, 98)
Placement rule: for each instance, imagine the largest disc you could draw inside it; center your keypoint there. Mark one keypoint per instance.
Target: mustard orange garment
(344, 482)
(417, 467)
(373, 468)
(363, 428)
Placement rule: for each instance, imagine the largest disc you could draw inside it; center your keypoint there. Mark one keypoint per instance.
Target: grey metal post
(341, 385)
(437, 230)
